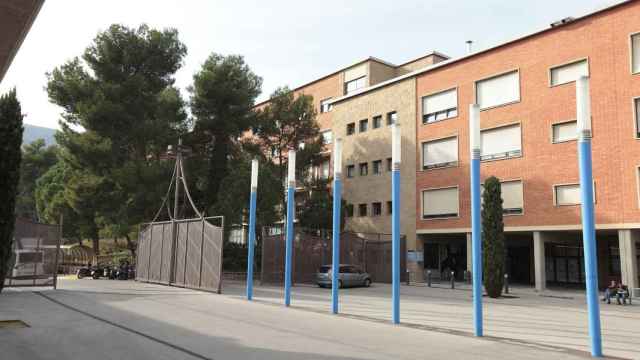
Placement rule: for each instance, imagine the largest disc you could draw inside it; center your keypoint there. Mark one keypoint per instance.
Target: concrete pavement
(87, 319)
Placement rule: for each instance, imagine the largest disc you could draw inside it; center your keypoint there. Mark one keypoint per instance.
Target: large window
(568, 194)
(569, 72)
(440, 153)
(389, 164)
(440, 203)
(501, 143)
(512, 197)
(498, 90)
(355, 84)
(362, 210)
(440, 106)
(351, 170)
(376, 209)
(327, 137)
(325, 106)
(565, 131)
(635, 53)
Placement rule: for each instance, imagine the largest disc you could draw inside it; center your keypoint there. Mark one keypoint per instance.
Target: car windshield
(324, 269)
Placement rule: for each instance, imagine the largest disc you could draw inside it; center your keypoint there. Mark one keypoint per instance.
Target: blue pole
(395, 250)
(589, 240)
(252, 239)
(583, 107)
(476, 230)
(289, 246)
(396, 152)
(335, 250)
(476, 245)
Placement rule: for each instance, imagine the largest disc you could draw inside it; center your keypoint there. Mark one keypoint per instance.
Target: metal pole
(583, 107)
(395, 220)
(337, 202)
(174, 224)
(252, 226)
(55, 266)
(290, 217)
(476, 235)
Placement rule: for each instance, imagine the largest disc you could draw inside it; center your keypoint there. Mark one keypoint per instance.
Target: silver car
(350, 275)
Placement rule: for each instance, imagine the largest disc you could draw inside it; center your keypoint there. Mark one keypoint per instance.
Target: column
(628, 258)
(539, 261)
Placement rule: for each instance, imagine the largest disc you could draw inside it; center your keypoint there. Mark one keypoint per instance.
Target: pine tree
(11, 136)
(493, 250)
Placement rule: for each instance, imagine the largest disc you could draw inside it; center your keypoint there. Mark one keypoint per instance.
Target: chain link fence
(312, 249)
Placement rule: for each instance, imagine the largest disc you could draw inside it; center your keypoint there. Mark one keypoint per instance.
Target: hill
(33, 132)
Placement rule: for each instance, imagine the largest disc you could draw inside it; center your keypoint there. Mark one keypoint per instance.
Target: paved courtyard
(101, 319)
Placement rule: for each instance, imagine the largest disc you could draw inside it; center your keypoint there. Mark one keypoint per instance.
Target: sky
(285, 42)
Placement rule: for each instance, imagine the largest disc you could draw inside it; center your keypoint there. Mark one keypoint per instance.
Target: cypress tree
(493, 250)
(10, 156)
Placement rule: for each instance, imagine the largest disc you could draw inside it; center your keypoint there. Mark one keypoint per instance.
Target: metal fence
(36, 252)
(312, 249)
(191, 258)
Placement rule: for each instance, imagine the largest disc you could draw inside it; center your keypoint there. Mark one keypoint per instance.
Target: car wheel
(367, 282)
(80, 276)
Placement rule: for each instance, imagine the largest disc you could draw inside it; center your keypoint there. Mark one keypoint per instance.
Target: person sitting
(610, 291)
(621, 294)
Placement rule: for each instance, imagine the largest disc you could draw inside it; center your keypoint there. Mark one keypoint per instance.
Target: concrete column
(539, 261)
(469, 260)
(628, 258)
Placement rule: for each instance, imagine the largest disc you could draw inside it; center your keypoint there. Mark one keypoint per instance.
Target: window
(327, 137)
(565, 131)
(355, 84)
(377, 167)
(389, 207)
(325, 106)
(569, 194)
(567, 73)
(376, 209)
(389, 164)
(392, 118)
(364, 169)
(498, 90)
(364, 125)
(323, 171)
(377, 121)
(614, 258)
(440, 106)
(351, 128)
(501, 143)
(635, 53)
(636, 106)
(236, 235)
(349, 210)
(440, 153)
(362, 210)
(351, 169)
(440, 203)
(512, 197)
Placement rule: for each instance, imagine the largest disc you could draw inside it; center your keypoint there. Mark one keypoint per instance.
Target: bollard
(408, 277)
(429, 278)
(453, 280)
(506, 283)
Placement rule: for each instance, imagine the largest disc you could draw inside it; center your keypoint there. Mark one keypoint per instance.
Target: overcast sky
(285, 42)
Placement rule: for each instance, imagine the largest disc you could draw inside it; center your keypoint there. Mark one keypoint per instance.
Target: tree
(288, 122)
(11, 135)
(37, 159)
(316, 211)
(222, 98)
(122, 94)
(493, 238)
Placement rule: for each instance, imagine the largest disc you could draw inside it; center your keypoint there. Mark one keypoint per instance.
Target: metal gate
(185, 253)
(312, 249)
(36, 252)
